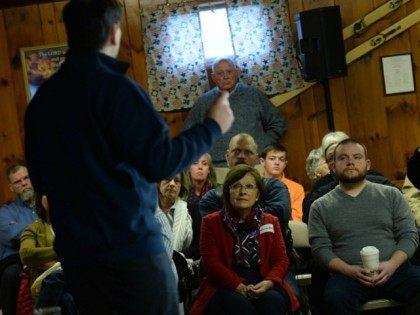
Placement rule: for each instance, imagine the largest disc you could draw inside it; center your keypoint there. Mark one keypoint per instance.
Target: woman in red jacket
(243, 254)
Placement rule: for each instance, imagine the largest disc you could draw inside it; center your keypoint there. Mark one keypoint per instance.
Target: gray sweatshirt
(254, 114)
(341, 225)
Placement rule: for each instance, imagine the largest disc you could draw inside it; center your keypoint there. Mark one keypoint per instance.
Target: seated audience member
(328, 182)
(202, 178)
(276, 200)
(243, 253)
(14, 217)
(36, 243)
(274, 160)
(412, 195)
(253, 111)
(167, 237)
(316, 165)
(413, 168)
(170, 192)
(243, 149)
(357, 213)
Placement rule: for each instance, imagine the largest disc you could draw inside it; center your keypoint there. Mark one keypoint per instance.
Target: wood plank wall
(388, 125)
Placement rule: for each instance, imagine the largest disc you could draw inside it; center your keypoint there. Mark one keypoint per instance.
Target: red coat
(216, 246)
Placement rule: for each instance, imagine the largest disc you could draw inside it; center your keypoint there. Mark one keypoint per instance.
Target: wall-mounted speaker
(321, 43)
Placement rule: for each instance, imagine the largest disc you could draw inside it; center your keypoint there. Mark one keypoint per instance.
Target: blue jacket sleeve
(277, 201)
(141, 136)
(211, 201)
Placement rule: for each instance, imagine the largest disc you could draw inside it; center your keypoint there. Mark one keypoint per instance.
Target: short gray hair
(314, 160)
(223, 59)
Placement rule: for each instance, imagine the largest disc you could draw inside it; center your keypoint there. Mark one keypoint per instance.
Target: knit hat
(413, 168)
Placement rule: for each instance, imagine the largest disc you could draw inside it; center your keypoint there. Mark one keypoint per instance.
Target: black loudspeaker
(321, 43)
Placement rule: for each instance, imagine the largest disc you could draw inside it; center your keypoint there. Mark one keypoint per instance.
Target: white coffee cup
(370, 257)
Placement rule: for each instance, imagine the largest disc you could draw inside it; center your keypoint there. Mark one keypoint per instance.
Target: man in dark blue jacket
(95, 146)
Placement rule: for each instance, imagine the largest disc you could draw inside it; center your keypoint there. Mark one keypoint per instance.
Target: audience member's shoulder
(8, 205)
(295, 185)
(211, 217)
(384, 188)
(327, 179)
(269, 218)
(273, 183)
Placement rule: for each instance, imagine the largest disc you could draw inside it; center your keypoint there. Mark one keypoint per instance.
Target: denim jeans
(344, 295)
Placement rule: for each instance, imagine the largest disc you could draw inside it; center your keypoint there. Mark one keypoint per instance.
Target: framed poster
(398, 74)
(39, 63)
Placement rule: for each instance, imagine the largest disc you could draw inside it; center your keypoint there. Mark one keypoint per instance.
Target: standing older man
(355, 214)
(253, 111)
(14, 218)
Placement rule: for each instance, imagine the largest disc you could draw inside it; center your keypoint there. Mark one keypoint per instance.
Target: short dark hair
(13, 166)
(277, 147)
(235, 174)
(89, 22)
(347, 141)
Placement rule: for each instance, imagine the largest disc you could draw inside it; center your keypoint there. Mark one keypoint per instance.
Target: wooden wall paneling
(174, 121)
(125, 47)
(368, 119)
(314, 4)
(10, 141)
(294, 141)
(310, 118)
(135, 33)
(59, 24)
(339, 104)
(49, 29)
(23, 28)
(401, 110)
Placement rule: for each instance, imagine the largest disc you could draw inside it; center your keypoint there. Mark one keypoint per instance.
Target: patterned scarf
(193, 198)
(246, 250)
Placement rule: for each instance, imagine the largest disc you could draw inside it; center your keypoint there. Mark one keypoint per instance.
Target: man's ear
(262, 161)
(368, 164)
(113, 34)
(44, 202)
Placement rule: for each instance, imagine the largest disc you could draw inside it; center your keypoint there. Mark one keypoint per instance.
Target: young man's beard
(352, 179)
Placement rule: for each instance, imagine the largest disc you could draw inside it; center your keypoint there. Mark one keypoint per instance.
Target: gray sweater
(254, 114)
(340, 225)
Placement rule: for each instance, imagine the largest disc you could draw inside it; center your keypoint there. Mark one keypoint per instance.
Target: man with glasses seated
(14, 218)
(253, 111)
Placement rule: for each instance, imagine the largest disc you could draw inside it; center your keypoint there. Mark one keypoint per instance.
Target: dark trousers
(224, 301)
(9, 286)
(144, 286)
(344, 295)
(54, 292)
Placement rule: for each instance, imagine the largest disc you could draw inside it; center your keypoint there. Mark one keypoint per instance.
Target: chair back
(299, 234)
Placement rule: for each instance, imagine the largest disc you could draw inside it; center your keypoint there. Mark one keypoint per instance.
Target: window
(182, 39)
(215, 32)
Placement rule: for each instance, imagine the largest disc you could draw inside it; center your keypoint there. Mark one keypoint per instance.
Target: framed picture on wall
(39, 63)
(398, 74)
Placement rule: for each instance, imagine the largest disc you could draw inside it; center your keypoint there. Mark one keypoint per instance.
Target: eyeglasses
(246, 188)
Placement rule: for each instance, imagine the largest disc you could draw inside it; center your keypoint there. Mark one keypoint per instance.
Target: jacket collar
(95, 59)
